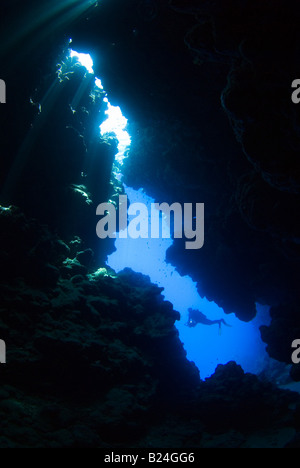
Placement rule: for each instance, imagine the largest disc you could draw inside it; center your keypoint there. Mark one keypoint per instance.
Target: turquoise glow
(84, 59)
(204, 345)
(115, 123)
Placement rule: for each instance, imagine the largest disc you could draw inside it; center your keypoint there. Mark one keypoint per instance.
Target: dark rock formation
(250, 186)
(94, 360)
(206, 86)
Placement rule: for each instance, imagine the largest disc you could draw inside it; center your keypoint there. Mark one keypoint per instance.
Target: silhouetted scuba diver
(195, 317)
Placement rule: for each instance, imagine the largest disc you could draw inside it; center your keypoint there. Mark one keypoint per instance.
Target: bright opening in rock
(207, 346)
(116, 123)
(84, 59)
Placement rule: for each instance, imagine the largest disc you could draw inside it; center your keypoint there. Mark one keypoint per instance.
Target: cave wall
(206, 87)
(215, 123)
(94, 361)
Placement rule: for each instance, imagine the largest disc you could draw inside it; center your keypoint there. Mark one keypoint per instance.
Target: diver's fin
(227, 324)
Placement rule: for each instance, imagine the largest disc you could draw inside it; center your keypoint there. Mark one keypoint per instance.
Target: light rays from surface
(31, 27)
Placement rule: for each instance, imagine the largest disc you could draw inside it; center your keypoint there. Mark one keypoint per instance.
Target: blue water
(204, 345)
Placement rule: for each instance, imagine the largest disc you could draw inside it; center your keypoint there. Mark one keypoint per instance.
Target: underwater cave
(116, 335)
